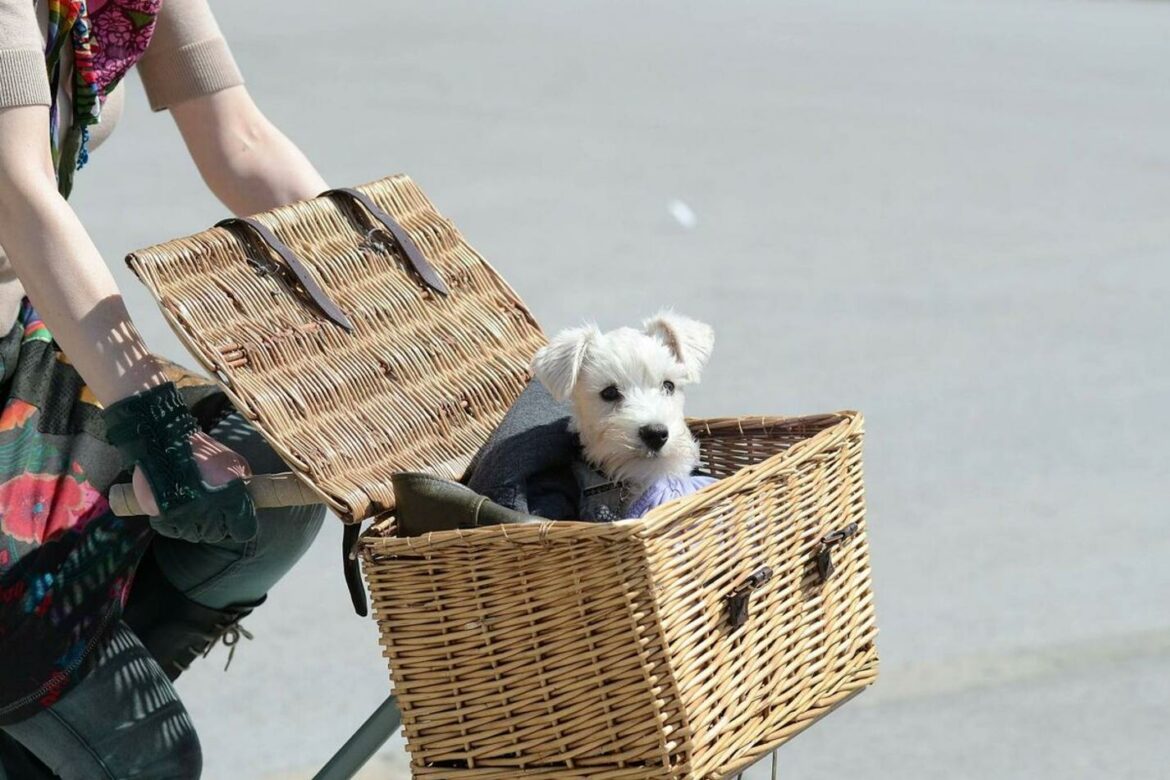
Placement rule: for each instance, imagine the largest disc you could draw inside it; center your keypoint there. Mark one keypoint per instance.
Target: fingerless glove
(153, 429)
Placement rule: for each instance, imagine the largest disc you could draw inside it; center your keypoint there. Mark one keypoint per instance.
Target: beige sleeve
(23, 79)
(187, 57)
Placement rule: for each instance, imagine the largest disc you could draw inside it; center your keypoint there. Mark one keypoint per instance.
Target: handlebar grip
(267, 491)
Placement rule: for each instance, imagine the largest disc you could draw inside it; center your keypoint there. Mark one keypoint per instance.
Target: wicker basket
(607, 650)
(685, 644)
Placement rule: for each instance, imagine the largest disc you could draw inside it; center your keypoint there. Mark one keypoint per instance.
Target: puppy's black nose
(654, 436)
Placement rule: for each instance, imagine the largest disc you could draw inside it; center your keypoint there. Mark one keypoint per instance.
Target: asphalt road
(950, 215)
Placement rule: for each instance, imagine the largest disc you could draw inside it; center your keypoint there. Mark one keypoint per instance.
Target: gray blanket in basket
(532, 463)
(527, 464)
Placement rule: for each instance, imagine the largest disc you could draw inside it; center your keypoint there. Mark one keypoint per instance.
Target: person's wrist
(145, 374)
(154, 410)
(152, 428)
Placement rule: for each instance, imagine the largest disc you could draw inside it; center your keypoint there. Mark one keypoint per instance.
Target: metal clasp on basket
(737, 602)
(377, 239)
(825, 565)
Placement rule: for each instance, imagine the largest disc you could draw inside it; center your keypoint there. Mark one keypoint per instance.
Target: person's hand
(217, 464)
(190, 484)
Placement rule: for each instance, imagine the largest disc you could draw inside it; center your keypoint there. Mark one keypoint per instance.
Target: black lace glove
(153, 429)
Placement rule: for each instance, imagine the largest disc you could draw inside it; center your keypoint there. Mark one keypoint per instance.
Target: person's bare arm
(246, 161)
(73, 289)
(61, 268)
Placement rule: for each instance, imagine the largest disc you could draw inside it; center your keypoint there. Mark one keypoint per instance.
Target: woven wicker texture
(570, 650)
(420, 383)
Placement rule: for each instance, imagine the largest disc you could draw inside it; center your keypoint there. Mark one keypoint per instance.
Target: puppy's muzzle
(654, 436)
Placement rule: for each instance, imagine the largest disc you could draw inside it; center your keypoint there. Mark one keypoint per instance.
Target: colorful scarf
(107, 37)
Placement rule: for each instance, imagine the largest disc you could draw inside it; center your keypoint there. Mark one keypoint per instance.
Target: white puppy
(626, 392)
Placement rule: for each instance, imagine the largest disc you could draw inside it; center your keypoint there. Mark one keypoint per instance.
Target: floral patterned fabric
(107, 37)
(66, 561)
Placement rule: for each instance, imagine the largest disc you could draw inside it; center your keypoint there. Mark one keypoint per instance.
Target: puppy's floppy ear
(558, 364)
(690, 341)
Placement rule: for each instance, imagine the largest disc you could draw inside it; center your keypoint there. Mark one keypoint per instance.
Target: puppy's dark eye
(668, 387)
(611, 394)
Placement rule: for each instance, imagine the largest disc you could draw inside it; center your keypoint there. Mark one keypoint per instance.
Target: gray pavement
(950, 215)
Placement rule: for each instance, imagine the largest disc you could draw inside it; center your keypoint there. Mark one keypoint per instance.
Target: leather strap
(298, 269)
(351, 568)
(413, 254)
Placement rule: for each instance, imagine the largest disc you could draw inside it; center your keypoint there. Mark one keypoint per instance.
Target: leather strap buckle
(302, 275)
(409, 248)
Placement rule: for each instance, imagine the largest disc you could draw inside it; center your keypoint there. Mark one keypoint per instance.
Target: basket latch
(737, 602)
(825, 565)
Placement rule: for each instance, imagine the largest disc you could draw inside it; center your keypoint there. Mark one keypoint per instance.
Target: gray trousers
(124, 720)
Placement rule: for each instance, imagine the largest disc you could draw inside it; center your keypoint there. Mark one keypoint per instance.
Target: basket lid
(362, 336)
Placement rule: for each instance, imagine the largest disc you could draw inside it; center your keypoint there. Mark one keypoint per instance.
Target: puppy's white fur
(579, 364)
